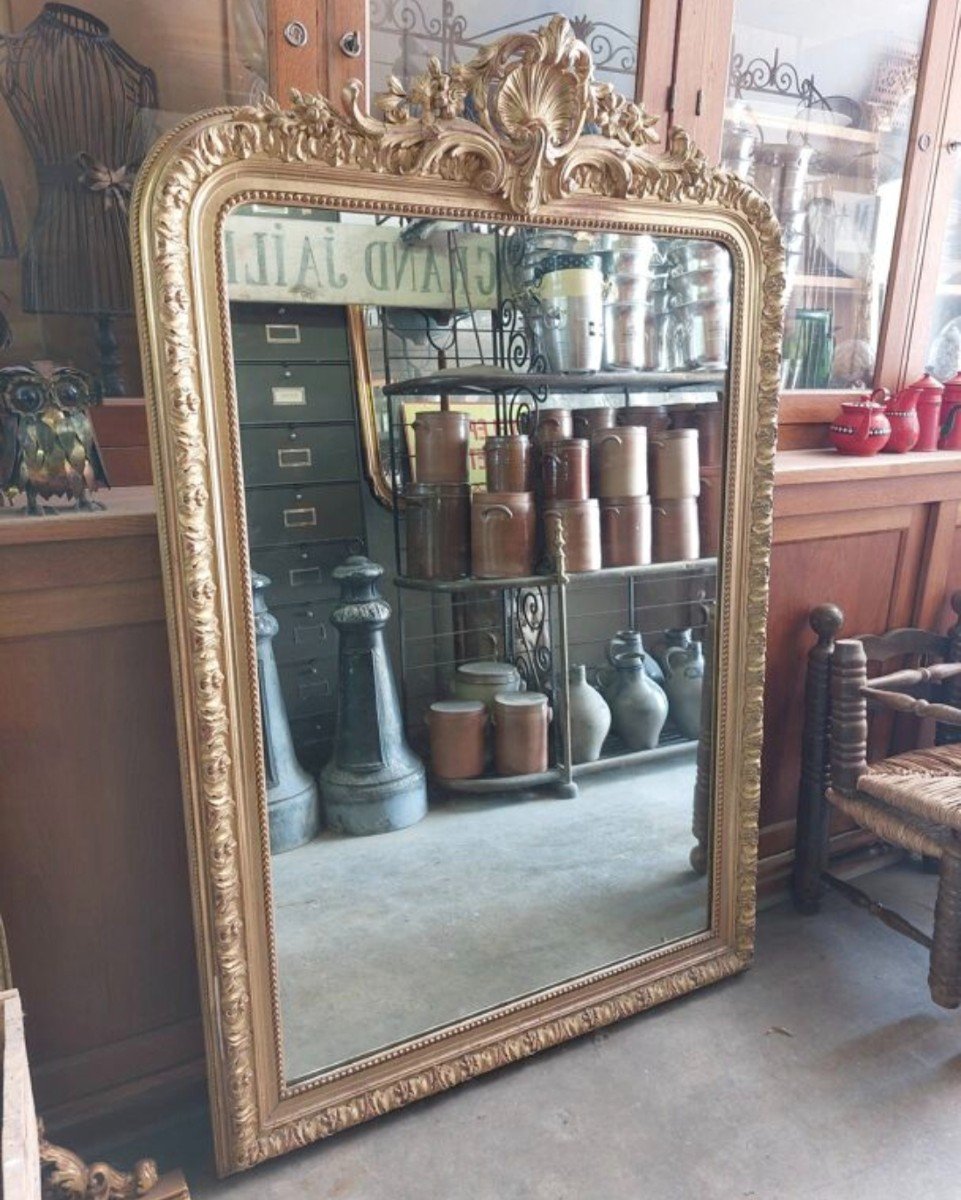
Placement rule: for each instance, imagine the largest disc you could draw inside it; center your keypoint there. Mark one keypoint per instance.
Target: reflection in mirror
(527, 726)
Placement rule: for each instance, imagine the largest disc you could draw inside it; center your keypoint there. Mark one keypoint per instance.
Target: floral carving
(523, 125)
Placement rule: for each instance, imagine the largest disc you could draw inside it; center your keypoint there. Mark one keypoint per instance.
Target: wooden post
(813, 812)
(951, 688)
(701, 822)
(849, 715)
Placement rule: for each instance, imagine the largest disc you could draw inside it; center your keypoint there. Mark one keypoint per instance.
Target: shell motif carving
(524, 123)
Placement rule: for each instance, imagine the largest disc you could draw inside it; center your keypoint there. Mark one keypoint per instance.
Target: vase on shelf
(590, 717)
(639, 709)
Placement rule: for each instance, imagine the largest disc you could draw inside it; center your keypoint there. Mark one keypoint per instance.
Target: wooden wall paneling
(347, 16)
(656, 50)
(121, 427)
(93, 871)
(925, 201)
(702, 64)
(293, 65)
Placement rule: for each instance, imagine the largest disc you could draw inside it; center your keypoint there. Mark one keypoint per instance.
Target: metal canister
(438, 530)
(572, 313)
(508, 462)
(627, 337)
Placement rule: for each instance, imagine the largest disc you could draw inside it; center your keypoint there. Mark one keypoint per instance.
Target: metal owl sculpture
(48, 446)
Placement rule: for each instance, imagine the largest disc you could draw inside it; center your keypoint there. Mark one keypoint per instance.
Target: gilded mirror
(463, 426)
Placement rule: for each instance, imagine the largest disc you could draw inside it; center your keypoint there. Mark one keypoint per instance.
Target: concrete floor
(824, 1072)
(382, 938)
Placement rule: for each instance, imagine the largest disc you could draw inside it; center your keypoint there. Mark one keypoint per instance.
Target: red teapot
(862, 427)
(950, 438)
(901, 411)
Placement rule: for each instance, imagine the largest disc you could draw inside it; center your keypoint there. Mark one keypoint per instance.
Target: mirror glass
(483, 480)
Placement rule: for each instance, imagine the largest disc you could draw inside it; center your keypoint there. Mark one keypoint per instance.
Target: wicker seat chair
(911, 800)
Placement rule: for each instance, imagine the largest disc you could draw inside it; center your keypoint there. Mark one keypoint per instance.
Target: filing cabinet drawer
(288, 333)
(274, 393)
(277, 516)
(305, 631)
(302, 572)
(299, 454)
(309, 687)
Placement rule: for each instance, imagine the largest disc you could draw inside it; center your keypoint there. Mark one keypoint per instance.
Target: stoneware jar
(440, 447)
(565, 469)
(457, 731)
(630, 641)
(625, 531)
(521, 722)
(683, 683)
(551, 425)
(639, 708)
(619, 461)
(590, 717)
(508, 462)
(676, 534)
(502, 534)
(437, 517)
(708, 420)
(653, 417)
(675, 464)
(484, 679)
(587, 421)
(581, 522)
(709, 510)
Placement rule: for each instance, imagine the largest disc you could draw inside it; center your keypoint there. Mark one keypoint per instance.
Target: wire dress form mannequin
(83, 106)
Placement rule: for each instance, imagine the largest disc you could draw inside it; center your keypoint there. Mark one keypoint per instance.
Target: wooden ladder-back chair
(911, 800)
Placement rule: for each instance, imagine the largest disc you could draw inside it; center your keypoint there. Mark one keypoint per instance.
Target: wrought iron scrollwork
(774, 77)
(532, 644)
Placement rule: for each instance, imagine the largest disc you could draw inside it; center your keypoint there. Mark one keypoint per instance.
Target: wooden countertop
(827, 466)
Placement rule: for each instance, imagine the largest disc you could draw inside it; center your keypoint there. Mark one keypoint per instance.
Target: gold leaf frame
(521, 133)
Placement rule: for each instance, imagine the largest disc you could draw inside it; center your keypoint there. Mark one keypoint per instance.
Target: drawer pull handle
(288, 459)
(302, 575)
(286, 334)
(288, 397)
(294, 517)
(310, 633)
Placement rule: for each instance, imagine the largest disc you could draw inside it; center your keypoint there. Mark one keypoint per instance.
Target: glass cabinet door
(944, 340)
(818, 114)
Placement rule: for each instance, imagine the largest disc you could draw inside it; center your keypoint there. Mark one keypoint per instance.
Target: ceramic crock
(653, 417)
(521, 722)
(676, 535)
(565, 469)
(457, 731)
(708, 420)
(581, 522)
(674, 464)
(588, 421)
(508, 462)
(709, 509)
(625, 531)
(484, 679)
(437, 517)
(441, 447)
(502, 534)
(551, 424)
(619, 461)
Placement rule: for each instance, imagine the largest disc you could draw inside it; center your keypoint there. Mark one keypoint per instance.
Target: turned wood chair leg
(813, 813)
(944, 977)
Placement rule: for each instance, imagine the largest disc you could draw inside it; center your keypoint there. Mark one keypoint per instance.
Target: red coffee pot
(950, 438)
(861, 427)
(902, 413)
(925, 396)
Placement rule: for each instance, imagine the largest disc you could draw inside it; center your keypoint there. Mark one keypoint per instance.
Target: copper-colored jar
(581, 522)
(619, 461)
(502, 534)
(675, 465)
(508, 461)
(653, 417)
(457, 731)
(588, 421)
(625, 531)
(441, 447)
(438, 530)
(708, 420)
(675, 529)
(551, 424)
(521, 722)
(709, 509)
(565, 469)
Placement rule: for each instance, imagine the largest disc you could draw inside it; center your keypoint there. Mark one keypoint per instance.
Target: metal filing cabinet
(303, 486)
